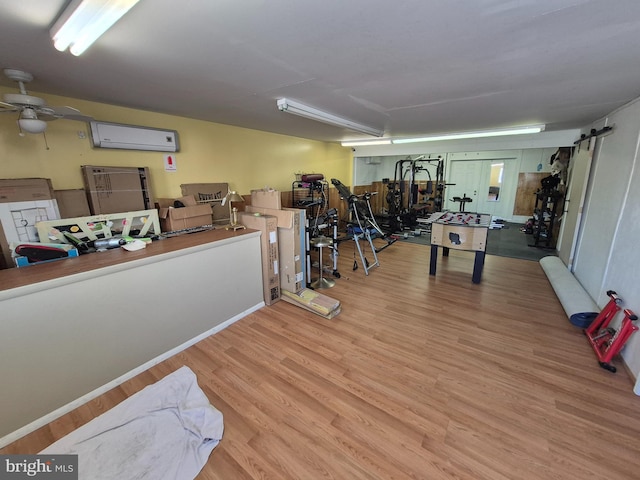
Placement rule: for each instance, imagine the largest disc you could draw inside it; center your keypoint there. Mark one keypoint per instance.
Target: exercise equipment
(462, 201)
(605, 340)
(402, 197)
(363, 224)
(311, 193)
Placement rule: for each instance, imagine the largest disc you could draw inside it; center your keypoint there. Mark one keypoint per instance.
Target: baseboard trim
(630, 374)
(50, 417)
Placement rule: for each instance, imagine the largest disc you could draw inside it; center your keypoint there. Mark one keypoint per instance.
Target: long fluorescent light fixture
(479, 134)
(296, 108)
(84, 21)
(366, 143)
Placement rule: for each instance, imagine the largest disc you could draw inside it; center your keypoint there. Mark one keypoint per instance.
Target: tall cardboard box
(290, 245)
(268, 225)
(301, 244)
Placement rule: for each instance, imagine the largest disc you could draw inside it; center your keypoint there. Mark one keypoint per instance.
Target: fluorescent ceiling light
(480, 134)
(364, 143)
(290, 106)
(83, 21)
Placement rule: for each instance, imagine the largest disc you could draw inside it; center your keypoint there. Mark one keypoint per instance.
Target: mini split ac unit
(131, 137)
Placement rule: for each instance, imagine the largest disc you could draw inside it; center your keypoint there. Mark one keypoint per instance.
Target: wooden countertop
(19, 277)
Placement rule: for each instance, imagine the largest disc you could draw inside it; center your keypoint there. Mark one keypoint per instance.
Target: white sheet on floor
(165, 431)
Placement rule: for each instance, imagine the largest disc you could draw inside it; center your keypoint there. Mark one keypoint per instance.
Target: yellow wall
(209, 152)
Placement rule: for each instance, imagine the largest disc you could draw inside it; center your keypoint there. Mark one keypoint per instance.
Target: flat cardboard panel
(212, 194)
(266, 199)
(117, 189)
(285, 217)
(72, 203)
(25, 189)
(268, 225)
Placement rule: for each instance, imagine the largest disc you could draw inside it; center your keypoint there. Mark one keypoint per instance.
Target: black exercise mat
(508, 241)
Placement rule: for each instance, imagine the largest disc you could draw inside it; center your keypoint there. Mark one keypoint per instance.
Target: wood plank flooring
(419, 377)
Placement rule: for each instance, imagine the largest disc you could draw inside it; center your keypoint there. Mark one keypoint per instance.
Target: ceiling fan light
(32, 125)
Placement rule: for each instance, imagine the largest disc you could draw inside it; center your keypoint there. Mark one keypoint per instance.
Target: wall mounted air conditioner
(131, 137)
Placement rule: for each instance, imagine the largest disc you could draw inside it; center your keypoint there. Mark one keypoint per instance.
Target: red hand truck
(606, 341)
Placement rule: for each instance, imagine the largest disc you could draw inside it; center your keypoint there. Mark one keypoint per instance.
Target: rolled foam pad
(576, 302)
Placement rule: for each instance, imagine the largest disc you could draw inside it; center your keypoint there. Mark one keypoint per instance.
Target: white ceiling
(412, 67)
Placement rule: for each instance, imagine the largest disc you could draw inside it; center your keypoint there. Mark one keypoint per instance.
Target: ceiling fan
(33, 111)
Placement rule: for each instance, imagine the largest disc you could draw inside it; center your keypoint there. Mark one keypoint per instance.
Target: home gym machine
(362, 225)
(402, 197)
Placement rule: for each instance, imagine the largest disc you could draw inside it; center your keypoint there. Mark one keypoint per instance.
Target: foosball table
(460, 231)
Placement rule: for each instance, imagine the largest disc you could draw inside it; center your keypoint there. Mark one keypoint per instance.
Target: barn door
(578, 175)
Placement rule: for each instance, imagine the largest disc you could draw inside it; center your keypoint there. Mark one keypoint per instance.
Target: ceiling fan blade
(64, 111)
(68, 113)
(7, 107)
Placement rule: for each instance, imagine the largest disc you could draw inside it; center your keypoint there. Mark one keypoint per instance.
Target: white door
(491, 184)
(465, 177)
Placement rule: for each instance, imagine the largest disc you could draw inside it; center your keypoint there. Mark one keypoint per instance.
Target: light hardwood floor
(419, 377)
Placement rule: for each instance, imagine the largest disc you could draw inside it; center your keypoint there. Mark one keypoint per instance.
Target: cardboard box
(266, 199)
(314, 301)
(302, 242)
(72, 203)
(187, 201)
(268, 225)
(172, 219)
(25, 189)
(117, 189)
(290, 245)
(212, 194)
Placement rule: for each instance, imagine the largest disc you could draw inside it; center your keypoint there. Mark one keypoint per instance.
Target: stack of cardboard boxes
(284, 253)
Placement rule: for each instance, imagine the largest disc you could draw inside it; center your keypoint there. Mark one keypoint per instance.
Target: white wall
(65, 338)
(608, 257)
